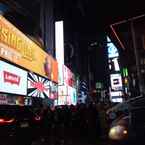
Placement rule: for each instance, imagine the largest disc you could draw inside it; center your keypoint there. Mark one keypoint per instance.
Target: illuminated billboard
(116, 93)
(53, 91)
(54, 71)
(59, 42)
(112, 50)
(117, 99)
(13, 79)
(68, 77)
(72, 96)
(61, 100)
(62, 90)
(113, 64)
(19, 49)
(116, 81)
(60, 74)
(38, 86)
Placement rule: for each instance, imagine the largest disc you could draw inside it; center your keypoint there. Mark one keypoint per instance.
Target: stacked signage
(26, 70)
(67, 94)
(116, 89)
(66, 81)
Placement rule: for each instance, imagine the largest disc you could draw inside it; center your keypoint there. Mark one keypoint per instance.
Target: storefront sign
(13, 79)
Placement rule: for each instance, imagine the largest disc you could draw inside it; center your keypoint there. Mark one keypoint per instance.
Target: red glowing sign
(11, 78)
(39, 86)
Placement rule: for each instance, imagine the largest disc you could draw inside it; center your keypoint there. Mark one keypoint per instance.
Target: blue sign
(112, 50)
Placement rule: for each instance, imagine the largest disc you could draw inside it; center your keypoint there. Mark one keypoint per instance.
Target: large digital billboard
(62, 90)
(116, 81)
(61, 100)
(38, 86)
(13, 79)
(72, 96)
(53, 91)
(60, 74)
(112, 50)
(59, 42)
(19, 49)
(54, 71)
(69, 78)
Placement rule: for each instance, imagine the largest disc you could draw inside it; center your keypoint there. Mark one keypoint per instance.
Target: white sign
(13, 79)
(117, 100)
(116, 93)
(116, 81)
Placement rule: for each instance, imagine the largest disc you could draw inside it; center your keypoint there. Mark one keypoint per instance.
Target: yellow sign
(19, 49)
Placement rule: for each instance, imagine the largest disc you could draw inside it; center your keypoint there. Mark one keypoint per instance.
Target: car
(19, 122)
(128, 124)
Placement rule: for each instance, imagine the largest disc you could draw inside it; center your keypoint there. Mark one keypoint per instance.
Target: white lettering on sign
(11, 78)
(9, 54)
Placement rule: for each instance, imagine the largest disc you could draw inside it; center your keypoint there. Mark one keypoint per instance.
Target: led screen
(117, 99)
(116, 81)
(38, 86)
(113, 64)
(59, 42)
(62, 90)
(61, 100)
(60, 74)
(13, 79)
(112, 50)
(72, 96)
(68, 77)
(116, 93)
(53, 91)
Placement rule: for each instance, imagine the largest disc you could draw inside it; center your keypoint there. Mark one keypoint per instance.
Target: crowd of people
(72, 124)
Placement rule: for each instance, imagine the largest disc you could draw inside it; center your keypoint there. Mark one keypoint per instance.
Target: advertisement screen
(54, 72)
(60, 74)
(116, 81)
(62, 90)
(72, 96)
(53, 91)
(116, 93)
(19, 49)
(13, 79)
(59, 42)
(113, 64)
(38, 86)
(68, 77)
(61, 100)
(112, 50)
(117, 99)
